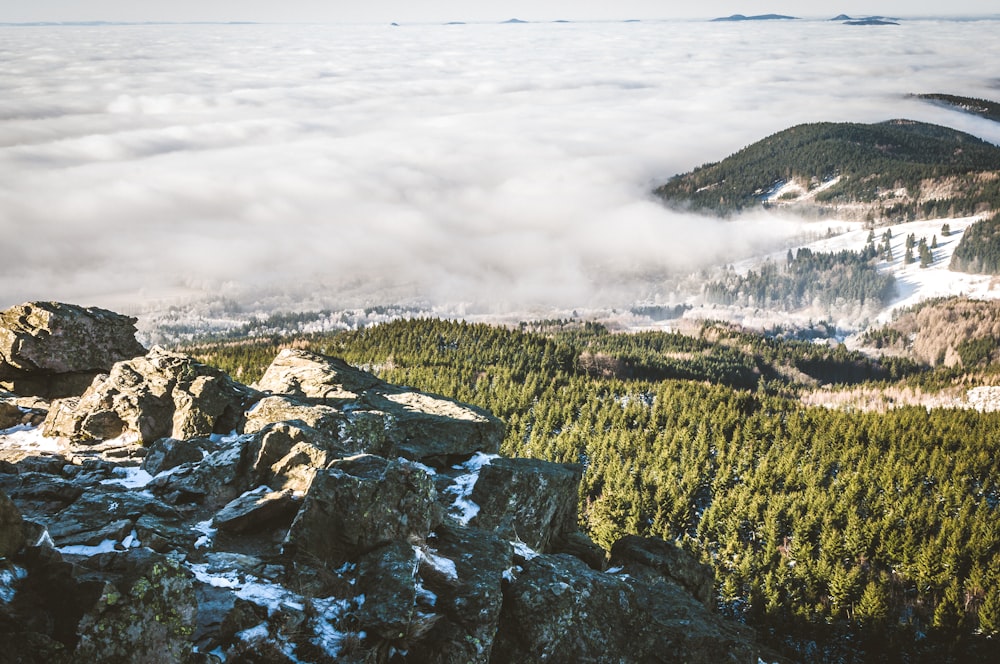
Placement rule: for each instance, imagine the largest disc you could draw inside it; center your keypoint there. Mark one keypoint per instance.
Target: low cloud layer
(504, 167)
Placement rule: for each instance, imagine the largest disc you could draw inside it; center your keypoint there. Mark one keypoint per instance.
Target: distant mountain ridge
(890, 171)
(758, 17)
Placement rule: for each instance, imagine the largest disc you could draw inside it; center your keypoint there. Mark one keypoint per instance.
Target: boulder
(222, 475)
(528, 500)
(559, 610)
(376, 418)
(11, 528)
(359, 504)
(434, 429)
(144, 614)
(55, 350)
(10, 415)
(255, 510)
(162, 394)
(300, 373)
(387, 578)
(168, 453)
(656, 560)
(272, 409)
(463, 569)
(101, 514)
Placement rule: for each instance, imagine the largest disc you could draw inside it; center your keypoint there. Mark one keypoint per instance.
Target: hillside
(797, 509)
(898, 170)
(946, 331)
(981, 107)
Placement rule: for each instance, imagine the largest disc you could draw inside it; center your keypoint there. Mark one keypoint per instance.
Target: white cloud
(495, 165)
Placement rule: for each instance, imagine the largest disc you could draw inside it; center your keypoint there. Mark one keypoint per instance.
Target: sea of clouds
(500, 167)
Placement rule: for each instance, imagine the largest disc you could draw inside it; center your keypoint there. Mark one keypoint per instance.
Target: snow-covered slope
(913, 283)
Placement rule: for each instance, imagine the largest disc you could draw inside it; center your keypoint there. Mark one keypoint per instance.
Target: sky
(454, 10)
(494, 167)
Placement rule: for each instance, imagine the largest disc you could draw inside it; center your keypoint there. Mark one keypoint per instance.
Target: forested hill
(841, 536)
(897, 170)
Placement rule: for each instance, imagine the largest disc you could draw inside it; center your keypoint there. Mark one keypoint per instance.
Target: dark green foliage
(977, 351)
(808, 278)
(979, 249)
(869, 159)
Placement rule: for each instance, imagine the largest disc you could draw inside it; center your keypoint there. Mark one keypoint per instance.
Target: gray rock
(168, 453)
(53, 349)
(527, 499)
(19, 410)
(272, 409)
(468, 598)
(300, 373)
(10, 415)
(559, 610)
(656, 560)
(387, 578)
(162, 394)
(374, 417)
(144, 614)
(101, 514)
(359, 504)
(434, 429)
(255, 510)
(215, 480)
(11, 527)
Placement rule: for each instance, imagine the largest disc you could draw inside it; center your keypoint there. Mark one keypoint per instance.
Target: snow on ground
(9, 577)
(463, 509)
(129, 477)
(913, 283)
(30, 440)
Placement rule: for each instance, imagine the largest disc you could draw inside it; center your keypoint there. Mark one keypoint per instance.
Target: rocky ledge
(166, 513)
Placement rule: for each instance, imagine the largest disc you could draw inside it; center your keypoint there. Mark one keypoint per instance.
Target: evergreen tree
(872, 609)
(989, 613)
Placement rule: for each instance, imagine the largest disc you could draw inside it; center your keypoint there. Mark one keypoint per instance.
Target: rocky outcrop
(560, 610)
(144, 613)
(360, 503)
(161, 394)
(53, 350)
(299, 373)
(338, 518)
(11, 528)
(657, 561)
(528, 500)
(375, 416)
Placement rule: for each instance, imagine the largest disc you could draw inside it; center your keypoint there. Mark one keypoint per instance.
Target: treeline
(869, 159)
(979, 249)
(807, 279)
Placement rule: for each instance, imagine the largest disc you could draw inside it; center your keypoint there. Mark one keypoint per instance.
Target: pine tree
(871, 609)
(989, 613)
(945, 229)
(908, 258)
(948, 614)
